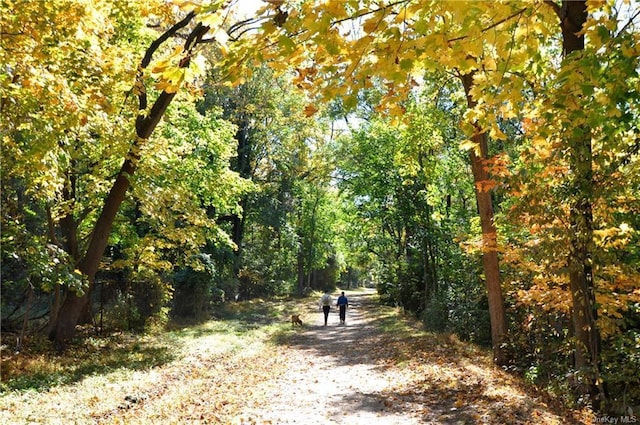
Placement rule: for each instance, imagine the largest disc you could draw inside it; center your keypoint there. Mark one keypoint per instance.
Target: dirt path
(358, 374)
(334, 375)
(379, 368)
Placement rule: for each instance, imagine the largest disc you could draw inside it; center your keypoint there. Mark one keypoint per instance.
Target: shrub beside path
(379, 368)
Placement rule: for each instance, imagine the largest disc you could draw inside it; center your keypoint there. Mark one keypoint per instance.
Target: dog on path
(295, 320)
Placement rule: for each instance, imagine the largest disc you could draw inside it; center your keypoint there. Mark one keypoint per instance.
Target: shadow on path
(355, 342)
(379, 368)
(336, 373)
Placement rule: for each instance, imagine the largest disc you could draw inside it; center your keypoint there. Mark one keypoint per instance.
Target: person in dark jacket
(342, 304)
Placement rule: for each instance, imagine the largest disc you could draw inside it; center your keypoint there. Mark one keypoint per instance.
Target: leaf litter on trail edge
(421, 375)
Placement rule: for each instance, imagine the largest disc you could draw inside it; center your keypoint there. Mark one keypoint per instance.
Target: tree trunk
(54, 307)
(244, 168)
(74, 304)
(300, 267)
(430, 262)
(490, 261)
(573, 15)
(25, 320)
(429, 277)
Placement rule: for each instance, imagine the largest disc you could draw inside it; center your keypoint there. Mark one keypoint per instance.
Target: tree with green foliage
(62, 86)
(88, 129)
(549, 92)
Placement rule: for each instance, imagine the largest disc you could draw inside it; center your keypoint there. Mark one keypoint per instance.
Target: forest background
(478, 162)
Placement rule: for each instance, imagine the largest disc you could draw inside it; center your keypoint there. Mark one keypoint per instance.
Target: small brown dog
(295, 320)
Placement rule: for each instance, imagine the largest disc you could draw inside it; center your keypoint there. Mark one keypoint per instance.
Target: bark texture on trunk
(573, 15)
(244, 167)
(76, 305)
(490, 262)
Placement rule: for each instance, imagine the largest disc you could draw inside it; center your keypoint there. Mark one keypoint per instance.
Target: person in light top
(325, 304)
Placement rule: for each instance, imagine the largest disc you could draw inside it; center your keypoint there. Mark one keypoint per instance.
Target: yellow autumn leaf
(496, 133)
(212, 20)
(593, 5)
(171, 80)
(188, 5)
(161, 66)
(164, 64)
(467, 145)
(336, 9)
(507, 111)
(490, 64)
(370, 25)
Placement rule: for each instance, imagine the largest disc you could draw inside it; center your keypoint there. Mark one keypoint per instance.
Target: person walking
(325, 304)
(342, 304)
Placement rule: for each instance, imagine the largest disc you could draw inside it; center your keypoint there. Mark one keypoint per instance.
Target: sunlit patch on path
(359, 374)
